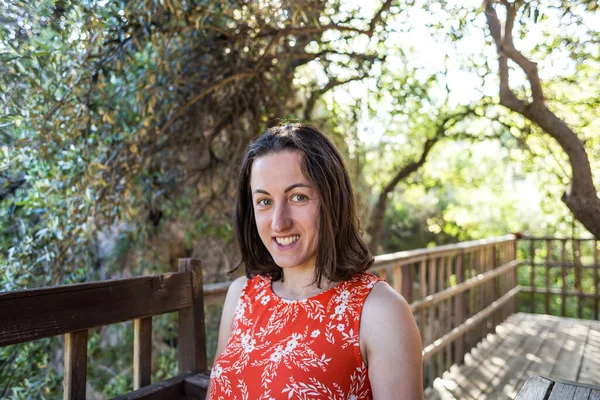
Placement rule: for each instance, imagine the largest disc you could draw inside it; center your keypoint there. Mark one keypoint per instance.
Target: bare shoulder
(392, 344)
(384, 301)
(231, 301)
(237, 286)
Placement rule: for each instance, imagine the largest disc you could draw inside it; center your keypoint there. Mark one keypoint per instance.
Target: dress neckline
(311, 298)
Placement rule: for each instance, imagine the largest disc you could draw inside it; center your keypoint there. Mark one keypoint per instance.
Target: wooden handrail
(28, 315)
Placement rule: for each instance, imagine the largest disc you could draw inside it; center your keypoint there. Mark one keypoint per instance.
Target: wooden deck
(561, 348)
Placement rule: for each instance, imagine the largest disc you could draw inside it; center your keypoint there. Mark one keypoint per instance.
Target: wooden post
(532, 275)
(547, 277)
(382, 273)
(596, 281)
(407, 282)
(577, 258)
(397, 274)
(515, 274)
(459, 304)
(75, 365)
(448, 308)
(496, 288)
(192, 332)
(563, 275)
(142, 352)
(422, 294)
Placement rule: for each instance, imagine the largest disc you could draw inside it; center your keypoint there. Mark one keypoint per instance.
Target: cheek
(262, 223)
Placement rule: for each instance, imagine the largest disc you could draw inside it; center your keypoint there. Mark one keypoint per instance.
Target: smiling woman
(307, 321)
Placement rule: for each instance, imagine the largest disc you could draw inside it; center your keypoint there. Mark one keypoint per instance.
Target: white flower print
(216, 372)
(248, 343)
(260, 295)
(240, 310)
(294, 348)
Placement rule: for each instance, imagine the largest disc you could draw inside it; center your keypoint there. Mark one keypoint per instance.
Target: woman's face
(286, 209)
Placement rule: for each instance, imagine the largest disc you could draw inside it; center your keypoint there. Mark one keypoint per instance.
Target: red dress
(295, 349)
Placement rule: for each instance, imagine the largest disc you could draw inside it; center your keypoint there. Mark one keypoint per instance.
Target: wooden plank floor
(560, 348)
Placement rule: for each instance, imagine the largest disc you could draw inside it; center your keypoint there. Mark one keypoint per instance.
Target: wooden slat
(172, 389)
(524, 358)
(513, 366)
(75, 365)
(407, 283)
(422, 294)
(433, 348)
(578, 288)
(459, 307)
(397, 276)
(561, 391)
(547, 276)
(582, 393)
(468, 381)
(448, 314)
(461, 287)
(142, 352)
(568, 293)
(34, 314)
(532, 275)
(589, 372)
(596, 282)
(191, 342)
(545, 359)
(563, 275)
(571, 354)
(535, 387)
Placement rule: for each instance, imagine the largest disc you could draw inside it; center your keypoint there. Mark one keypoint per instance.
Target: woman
(307, 322)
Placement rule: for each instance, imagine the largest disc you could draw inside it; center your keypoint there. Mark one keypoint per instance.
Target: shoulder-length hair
(341, 252)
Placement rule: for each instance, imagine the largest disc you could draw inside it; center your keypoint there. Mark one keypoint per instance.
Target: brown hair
(341, 252)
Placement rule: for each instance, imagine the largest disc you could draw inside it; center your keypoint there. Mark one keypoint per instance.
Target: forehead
(277, 170)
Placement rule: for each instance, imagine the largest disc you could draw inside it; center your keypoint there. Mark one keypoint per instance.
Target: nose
(281, 218)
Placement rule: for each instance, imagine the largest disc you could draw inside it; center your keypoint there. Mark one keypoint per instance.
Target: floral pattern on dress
(295, 349)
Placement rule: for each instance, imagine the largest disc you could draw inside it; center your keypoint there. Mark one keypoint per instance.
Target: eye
(263, 202)
(299, 197)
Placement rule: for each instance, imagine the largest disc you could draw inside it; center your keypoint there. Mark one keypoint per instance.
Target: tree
(581, 195)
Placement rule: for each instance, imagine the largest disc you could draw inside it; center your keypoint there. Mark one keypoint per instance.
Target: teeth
(288, 240)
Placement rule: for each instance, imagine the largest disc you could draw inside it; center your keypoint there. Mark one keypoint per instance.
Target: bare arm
(231, 301)
(392, 344)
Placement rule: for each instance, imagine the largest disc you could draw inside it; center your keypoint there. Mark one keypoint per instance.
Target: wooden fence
(563, 276)
(72, 310)
(458, 293)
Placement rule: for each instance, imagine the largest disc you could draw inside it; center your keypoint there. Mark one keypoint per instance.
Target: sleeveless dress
(295, 349)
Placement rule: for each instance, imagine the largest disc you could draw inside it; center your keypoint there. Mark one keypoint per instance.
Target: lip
(282, 247)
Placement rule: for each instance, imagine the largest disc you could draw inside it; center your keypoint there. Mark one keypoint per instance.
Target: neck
(298, 284)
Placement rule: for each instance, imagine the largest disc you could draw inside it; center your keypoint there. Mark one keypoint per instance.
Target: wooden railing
(72, 310)
(458, 293)
(562, 276)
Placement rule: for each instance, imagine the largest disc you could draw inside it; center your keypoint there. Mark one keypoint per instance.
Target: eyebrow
(287, 189)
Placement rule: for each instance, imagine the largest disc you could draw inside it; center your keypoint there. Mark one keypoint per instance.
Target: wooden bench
(542, 388)
(72, 310)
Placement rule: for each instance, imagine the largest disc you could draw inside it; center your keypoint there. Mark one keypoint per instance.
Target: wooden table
(538, 388)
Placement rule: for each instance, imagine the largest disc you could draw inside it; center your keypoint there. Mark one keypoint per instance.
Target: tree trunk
(580, 196)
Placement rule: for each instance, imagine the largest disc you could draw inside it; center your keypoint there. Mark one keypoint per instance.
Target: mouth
(286, 241)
